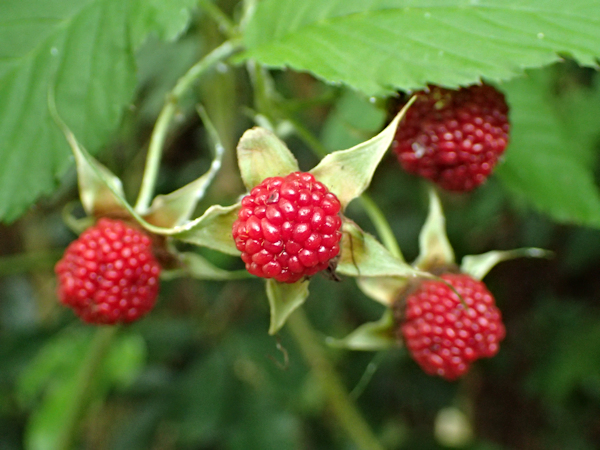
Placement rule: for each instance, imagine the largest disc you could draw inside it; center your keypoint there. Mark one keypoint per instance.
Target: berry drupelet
(454, 138)
(443, 336)
(288, 228)
(109, 274)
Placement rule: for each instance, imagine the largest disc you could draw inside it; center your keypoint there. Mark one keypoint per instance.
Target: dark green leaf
(544, 164)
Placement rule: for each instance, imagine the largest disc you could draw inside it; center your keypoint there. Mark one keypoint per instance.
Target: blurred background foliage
(200, 371)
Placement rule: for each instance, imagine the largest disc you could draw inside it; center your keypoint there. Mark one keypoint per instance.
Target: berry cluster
(441, 334)
(454, 138)
(288, 228)
(109, 274)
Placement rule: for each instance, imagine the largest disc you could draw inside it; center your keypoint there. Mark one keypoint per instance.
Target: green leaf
(212, 229)
(261, 154)
(479, 265)
(82, 50)
(177, 207)
(348, 173)
(577, 108)
(384, 290)
(100, 190)
(382, 45)
(196, 266)
(47, 422)
(362, 255)
(434, 247)
(545, 165)
(371, 336)
(166, 19)
(82, 373)
(58, 356)
(284, 299)
(125, 360)
(353, 119)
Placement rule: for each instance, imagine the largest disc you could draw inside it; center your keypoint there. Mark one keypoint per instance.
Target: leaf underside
(379, 46)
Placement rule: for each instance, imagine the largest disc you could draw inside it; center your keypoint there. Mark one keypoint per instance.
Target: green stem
(85, 378)
(345, 410)
(225, 23)
(159, 134)
(381, 225)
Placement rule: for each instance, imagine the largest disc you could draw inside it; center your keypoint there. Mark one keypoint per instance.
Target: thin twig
(346, 412)
(161, 128)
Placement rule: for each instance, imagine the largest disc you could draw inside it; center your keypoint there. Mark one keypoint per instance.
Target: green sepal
(196, 266)
(348, 173)
(434, 247)
(100, 191)
(371, 336)
(261, 155)
(384, 290)
(176, 208)
(284, 299)
(478, 266)
(76, 225)
(212, 229)
(362, 255)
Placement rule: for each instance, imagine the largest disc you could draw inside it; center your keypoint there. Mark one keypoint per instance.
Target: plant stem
(381, 225)
(159, 134)
(226, 25)
(345, 410)
(99, 347)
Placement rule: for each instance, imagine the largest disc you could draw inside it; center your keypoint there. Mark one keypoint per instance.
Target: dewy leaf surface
(81, 49)
(545, 164)
(382, 45)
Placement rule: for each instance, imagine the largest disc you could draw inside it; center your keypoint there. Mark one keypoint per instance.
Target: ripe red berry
(443, 336)
(288, 227)
(109, 274)
(454, 138)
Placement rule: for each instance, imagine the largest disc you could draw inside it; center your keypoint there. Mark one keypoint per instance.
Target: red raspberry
(454, 138)
(441, 335)
(109, 274)
(288, 228)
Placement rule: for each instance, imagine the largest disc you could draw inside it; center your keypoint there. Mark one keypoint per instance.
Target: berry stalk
(159, 134)
(85, 378)
(344, 408)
